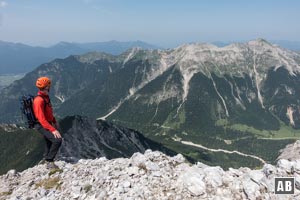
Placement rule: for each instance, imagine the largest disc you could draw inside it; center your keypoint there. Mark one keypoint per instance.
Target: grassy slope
(20, 149)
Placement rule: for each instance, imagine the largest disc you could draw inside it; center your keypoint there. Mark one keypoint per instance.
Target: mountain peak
(261, 43)
(259, 52)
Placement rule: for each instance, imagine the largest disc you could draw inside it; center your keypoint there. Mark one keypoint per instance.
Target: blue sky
(165, 23)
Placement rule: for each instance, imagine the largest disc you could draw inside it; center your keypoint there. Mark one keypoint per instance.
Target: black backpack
(27, 109)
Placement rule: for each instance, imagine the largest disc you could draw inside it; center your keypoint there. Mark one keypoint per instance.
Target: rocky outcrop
(291, 152)
(151, 175)
(85, 138)
(10, 127)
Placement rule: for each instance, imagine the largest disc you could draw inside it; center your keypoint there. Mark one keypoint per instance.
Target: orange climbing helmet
(43, 82)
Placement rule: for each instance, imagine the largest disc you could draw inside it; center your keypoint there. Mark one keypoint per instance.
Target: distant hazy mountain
(6, 80)
(244, 96)
(220, 43)
(16, 58)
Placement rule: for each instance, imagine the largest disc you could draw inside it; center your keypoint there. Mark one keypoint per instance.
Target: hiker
(46, 125)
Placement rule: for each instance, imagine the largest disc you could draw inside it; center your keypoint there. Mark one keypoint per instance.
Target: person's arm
(56, 125)
(54, 120)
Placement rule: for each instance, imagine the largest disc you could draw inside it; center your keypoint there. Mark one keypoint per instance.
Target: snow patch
(132, 91)
(156, 110)
(130, 55)
(187, 76)
(178, 109)
(258, 80)
(289, 90)
(61, 98)
(223, 101)
(289, 113)
(238, 99)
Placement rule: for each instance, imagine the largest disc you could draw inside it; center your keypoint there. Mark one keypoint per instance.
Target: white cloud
(3, 4)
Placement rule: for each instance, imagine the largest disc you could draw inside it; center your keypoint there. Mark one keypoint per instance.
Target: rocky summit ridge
(152, 175)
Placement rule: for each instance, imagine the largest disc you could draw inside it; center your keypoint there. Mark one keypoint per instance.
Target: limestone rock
(152, 175)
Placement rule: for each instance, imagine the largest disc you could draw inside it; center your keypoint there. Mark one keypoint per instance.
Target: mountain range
(18, 58)
(236, 105)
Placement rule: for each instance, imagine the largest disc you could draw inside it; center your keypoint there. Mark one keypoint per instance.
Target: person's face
(47, 88)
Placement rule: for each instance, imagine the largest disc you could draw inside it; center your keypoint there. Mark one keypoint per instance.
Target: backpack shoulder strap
(45, 102)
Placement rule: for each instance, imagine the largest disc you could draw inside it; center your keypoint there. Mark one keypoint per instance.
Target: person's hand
(56, 134)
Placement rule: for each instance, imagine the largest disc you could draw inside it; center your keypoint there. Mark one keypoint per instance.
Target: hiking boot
(43, 161)
(51, 165)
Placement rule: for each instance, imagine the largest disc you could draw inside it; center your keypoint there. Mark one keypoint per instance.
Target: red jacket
(44, 114)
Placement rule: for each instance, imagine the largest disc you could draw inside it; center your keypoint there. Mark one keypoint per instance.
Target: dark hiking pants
(52, 143)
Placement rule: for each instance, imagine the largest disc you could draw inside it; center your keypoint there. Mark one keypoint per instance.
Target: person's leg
(54, 147)
(52, 143)
(47, 147)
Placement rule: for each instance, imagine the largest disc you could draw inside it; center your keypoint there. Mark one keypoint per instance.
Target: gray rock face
(152, 175)
(290, 152)
(89, 139)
